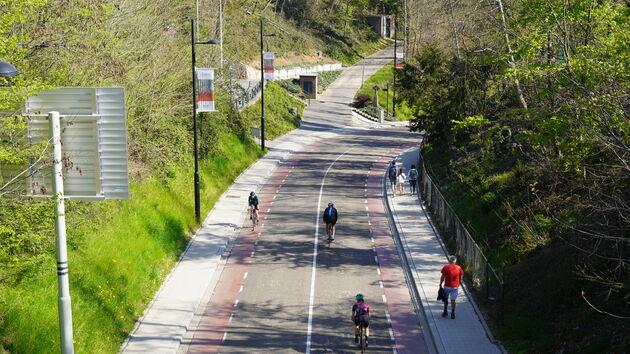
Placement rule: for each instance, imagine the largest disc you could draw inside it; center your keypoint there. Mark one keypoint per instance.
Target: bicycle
(254, 217)
(329, 234)
(362, 338)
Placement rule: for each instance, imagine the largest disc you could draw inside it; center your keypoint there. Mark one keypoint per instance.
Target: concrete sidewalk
(163, 327)
(426, 255)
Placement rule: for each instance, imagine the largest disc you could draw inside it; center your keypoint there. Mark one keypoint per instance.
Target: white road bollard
(381, 116)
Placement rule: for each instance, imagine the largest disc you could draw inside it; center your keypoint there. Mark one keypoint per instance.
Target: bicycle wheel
(361, 338)
(254, 220)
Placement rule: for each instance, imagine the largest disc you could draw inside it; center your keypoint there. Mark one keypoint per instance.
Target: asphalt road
(283, 289)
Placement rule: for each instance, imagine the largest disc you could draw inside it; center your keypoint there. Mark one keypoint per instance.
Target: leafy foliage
(552, 179)
(361, 100)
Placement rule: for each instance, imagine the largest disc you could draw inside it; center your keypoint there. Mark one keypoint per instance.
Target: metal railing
(485, 282)
(243, 96)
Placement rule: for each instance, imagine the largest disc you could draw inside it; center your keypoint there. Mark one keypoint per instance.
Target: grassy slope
(278, 120)
(381, 78)
(118, 262)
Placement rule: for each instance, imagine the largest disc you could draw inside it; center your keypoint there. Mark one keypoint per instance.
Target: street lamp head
(212, 41)
(8, 70)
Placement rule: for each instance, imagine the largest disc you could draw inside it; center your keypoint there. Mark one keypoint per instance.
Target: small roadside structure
(308, 83)
(383, 25)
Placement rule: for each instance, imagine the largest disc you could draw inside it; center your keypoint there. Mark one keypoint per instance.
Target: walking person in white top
(401, 181)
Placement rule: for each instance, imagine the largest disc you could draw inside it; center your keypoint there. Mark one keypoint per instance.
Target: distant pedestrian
(392, 173)
(452, 276)
(401, 181)
(413, 179)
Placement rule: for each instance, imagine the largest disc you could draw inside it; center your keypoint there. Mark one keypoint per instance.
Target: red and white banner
(205, 90)
(399, 60)
(268, 69)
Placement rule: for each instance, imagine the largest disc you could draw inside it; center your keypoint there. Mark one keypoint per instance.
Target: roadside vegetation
(324, 79)
(384, 79)
(525, 113)
(120, 251)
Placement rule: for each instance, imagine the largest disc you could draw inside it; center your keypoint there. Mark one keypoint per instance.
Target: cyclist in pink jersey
(361, 314)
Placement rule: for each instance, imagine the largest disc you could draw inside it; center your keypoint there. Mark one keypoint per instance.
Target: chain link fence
(485, 282)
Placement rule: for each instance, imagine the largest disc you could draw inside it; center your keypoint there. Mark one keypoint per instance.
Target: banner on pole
(268, 69)
(399, 60)
(205, 89)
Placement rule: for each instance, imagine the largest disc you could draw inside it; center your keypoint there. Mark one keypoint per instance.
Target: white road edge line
(309, 331)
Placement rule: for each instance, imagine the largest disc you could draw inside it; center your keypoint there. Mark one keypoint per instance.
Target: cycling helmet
(359, 297)
(251, 193)
(330, 204)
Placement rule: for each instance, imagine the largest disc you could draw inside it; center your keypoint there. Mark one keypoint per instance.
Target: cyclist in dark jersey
(361, 314)
(330, 218)
(252, 203)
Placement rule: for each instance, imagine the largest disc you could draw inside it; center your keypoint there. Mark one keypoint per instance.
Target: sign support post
(65, 309)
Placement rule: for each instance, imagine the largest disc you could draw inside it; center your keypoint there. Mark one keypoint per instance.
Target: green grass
(118, 258)
(383, 78)
(278, 120)
(324, 79)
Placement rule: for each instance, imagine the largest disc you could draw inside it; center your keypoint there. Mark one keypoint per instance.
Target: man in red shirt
(452, 276)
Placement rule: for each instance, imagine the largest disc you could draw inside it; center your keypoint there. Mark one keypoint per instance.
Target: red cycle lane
(211, 330)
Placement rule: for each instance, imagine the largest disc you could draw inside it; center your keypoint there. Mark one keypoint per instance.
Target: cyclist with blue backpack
(330, 218)
(361, 316)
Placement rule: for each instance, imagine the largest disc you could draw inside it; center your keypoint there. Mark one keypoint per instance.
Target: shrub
(361, 100)
(291, 85)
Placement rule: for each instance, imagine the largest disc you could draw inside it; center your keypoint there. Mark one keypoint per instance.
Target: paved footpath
(426, 254)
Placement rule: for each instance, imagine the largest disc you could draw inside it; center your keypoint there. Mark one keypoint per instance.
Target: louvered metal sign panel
(94, 142)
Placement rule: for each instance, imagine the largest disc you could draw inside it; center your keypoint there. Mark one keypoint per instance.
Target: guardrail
(245, 96)
(485, 282)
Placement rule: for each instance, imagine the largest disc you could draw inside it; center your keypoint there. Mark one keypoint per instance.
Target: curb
(413, 289)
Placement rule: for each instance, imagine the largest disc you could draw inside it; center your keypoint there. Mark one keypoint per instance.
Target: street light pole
(262, 90)
(195, 148)
(395, 60)
(63, 282)
(262, 85)
(195, 133)
(64, 302)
